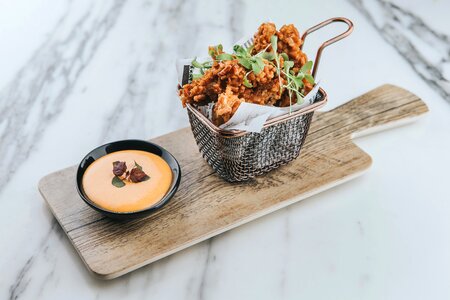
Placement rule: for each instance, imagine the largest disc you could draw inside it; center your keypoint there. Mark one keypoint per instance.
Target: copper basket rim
(230, 133)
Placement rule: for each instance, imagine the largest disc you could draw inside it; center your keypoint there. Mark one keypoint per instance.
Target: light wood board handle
(384, 107)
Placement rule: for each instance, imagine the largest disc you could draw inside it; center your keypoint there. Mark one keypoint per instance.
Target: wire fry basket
(240, 155)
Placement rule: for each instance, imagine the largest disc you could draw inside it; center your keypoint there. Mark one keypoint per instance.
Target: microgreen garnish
(306, 67)
(246, 82)
(245, 63)
(268, 55)
(224, 56)
(117, 182)
(288, 64)
(273, 43)
(215, 50)
(255, 63)
(245, 59)
(294, 81)
(201, 66)
(136, 165)
(284, 56)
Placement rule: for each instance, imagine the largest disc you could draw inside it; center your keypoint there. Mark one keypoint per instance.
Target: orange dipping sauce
(133, 196)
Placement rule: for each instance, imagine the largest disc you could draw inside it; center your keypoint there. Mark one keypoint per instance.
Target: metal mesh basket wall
(242, 157)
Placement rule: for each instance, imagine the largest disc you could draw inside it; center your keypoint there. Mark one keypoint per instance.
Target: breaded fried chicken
(262, 37)
(227, 104)
(223, 84)
(289, 42)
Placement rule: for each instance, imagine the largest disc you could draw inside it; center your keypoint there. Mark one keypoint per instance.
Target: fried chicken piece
(223, 83)
(266, 75)
(196, 91)
(262, 37)
(289, 42)
(214, 82)
(226, 106)
(308, 86)
(267, 93)
(231, 74)
(285, 100)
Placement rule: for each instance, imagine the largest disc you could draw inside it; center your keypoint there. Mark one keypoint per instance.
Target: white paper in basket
(249, 117)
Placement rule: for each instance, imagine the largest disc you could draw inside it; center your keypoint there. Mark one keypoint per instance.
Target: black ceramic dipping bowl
(129, 145)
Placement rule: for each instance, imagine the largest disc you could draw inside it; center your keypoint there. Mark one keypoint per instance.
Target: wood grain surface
(205, 205)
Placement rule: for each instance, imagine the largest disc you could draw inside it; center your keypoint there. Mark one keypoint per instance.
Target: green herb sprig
(251, 62)
(201, 66)
(294, 81)
(255, 63)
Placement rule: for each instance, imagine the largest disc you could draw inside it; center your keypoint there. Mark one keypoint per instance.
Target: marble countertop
(76, 74)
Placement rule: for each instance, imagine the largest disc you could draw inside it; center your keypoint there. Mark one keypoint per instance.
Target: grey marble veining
(23, 277)
(53, 60)
(136, 104)
(425, 49)
(37, 94)
(105, 71)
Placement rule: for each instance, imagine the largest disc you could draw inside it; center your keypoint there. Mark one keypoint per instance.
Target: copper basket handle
(330, 41)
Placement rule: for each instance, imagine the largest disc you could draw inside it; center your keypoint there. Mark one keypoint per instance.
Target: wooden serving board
(206, 205)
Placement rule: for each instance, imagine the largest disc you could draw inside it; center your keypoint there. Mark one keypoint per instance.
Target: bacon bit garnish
(137, 175)
(122, 174)
(119, 167)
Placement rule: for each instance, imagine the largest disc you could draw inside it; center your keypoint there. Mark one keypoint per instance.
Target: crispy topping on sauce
(135, 175)
(119, 167)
